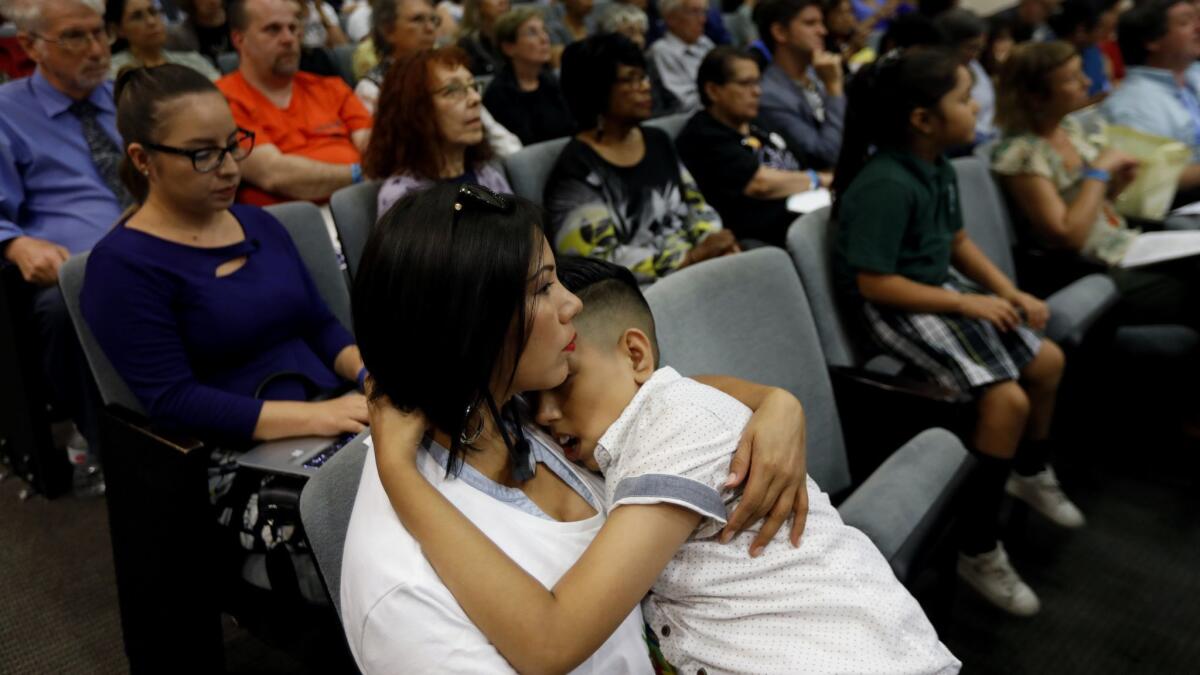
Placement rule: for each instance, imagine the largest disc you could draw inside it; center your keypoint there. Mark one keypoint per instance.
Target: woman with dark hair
(161, 283)
(477, 34)
(160, 286)
(139, 35)
(525, 96)
(618, 191)
(900, 233)
(430, 128)
(206, 30)
(205, 308)
(459, 310)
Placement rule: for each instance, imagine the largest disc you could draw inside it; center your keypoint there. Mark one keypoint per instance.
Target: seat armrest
(880, 412)
(136, 422)
(164, 529)
(1044, 272)
(906, 498)
(896, 385)
(1075, 308)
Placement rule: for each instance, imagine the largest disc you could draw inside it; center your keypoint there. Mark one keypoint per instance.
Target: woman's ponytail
(880, 101)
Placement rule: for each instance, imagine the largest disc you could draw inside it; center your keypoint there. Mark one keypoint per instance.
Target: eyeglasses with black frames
(205, 160)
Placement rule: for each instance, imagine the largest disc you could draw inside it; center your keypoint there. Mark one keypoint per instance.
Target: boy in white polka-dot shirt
(663, 443)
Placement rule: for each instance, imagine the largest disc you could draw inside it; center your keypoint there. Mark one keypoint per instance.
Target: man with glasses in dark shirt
(744, 169)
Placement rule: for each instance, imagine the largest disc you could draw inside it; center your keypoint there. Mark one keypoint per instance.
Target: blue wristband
(814, 180)
(1096, 174)
(356, 174)
(361, 379)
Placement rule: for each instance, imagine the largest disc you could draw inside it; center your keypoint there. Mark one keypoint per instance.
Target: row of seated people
(898, 632)
(672, 223)
(186, 242)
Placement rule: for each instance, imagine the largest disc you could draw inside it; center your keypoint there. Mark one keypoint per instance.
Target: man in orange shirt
(310, 131)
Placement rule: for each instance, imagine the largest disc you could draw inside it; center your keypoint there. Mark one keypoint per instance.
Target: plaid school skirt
(953, 350)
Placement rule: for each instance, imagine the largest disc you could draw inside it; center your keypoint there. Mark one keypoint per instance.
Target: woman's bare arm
(1057, 223)
(536, 629)
(972, 262)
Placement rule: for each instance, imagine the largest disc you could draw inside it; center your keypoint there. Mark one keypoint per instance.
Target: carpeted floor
(58, 599)
(1119, 596)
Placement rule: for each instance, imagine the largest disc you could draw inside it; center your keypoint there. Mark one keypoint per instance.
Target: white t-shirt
(400, 618)
(832, 605)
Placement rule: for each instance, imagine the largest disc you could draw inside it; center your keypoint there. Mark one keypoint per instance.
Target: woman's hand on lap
(771, 460)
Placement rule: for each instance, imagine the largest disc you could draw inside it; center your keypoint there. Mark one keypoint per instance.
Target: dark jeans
(1163, 293)
(70, 383)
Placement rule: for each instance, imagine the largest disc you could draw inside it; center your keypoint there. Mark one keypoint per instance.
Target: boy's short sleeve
(678, 452)
(871, 220)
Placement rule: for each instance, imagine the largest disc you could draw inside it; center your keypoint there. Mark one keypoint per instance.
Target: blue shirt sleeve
(128, 306)
(12, 190)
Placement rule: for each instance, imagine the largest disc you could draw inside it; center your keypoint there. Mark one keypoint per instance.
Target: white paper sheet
(1187, 210)
(807, 202)
(1153, 247)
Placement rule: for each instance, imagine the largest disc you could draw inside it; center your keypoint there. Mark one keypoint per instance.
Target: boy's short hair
(612, 300)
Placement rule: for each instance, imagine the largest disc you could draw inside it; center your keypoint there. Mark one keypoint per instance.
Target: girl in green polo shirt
(899, 237)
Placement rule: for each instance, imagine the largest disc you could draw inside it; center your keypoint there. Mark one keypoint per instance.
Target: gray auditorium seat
(529, 168)
(748, 316)
(355, 210)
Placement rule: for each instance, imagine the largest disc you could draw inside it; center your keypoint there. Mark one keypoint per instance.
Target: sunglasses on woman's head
(479, 198)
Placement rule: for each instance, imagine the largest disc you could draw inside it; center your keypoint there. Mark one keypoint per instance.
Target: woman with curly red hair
(429, 128)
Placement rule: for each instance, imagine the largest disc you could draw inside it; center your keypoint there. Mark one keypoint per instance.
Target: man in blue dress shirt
(59, 191)
(1160, 42)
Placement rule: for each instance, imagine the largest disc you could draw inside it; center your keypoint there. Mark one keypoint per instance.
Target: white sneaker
(1043, 494)
(995, 579)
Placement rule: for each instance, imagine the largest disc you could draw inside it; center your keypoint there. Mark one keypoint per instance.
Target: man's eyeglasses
(458, 90)
(205, 160)
(77, 41)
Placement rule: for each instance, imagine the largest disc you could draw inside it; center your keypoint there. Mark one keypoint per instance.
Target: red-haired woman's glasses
(458, 90)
